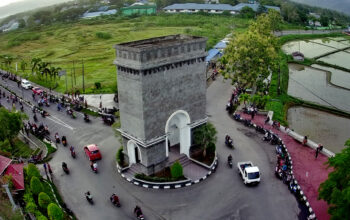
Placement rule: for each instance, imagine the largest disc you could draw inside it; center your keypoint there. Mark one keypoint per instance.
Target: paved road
(289, 32)
(222, 196)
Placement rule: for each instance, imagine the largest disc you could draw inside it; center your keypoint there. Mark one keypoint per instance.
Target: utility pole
(279, 80)
(66, 84)
(71, 77)
(75, 81)
(83, 75)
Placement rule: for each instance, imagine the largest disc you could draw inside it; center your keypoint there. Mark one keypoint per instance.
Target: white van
(26, 84)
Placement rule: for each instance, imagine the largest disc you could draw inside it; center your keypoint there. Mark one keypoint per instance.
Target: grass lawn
(63, 44)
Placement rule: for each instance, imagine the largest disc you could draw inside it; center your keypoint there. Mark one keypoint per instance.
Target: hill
(26, 5)
(338, 5)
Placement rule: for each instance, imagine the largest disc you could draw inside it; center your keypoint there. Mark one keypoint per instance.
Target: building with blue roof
(212, 8)
(194, 8)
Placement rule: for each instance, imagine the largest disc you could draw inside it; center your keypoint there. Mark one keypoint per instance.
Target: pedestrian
(45, 168)
(253, 114)
(86, 105)
(267, 120)
(320, 146)
(49, 167)
(305, 140)
(317, 151)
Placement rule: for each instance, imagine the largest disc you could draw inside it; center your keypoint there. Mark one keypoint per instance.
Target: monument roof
(161, 41)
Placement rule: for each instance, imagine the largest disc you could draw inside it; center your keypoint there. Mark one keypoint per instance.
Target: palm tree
(35, 64)
(8, 61)
(23, 65)
(205, 135)
(44, 69)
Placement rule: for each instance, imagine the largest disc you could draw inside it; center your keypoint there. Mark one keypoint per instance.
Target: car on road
(26, 84)
(93, 152)
(249, 173)
(37, 90)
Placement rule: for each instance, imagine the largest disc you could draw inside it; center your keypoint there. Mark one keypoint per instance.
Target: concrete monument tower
(162, 96)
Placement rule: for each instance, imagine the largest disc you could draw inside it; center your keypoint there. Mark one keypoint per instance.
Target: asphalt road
(222, 196)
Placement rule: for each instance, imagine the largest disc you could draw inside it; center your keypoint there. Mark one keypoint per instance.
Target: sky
(6, 2)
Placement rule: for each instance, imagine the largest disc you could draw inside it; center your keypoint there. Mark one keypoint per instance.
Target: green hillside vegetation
(93, 41)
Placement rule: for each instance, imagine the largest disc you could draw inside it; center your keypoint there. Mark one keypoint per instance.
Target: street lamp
(6, 186)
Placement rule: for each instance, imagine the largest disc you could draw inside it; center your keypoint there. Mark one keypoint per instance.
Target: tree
(35, 64)
(31, 171)
(205, 135)
(21, 23)
(23, 65)
(31, 207)
(252, 55)
(176, 170)
(244, 97)
(247, 12)
(336, 189)
(43, 200)
(324, 20)
(44, 69)
(11, 124)
(54, 212)
(35, 185)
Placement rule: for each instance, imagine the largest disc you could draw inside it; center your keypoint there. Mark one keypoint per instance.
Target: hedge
(142, 176)
(35, 185)
(176, 170)
(54, 212)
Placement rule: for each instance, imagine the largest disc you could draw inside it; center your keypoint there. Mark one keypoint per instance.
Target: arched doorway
(178, 131)
(133, 152)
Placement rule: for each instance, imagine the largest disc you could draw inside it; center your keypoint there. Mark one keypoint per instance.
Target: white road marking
(60, 122)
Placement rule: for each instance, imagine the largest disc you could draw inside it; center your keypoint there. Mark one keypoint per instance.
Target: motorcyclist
(64, 166)
(57, 137)
(64, 139)
(229, 158)
(114, 198)
(71, 149)
(94, 165)
(34, 117)
(137, 211)
(88, 196)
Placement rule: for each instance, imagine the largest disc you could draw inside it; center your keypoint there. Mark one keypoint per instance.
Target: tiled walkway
(309, 171)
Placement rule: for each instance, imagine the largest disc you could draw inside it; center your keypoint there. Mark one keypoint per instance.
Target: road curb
(175, 185)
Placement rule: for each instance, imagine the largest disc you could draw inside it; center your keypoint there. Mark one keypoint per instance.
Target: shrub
(43, 200)
(31, 207)
(35, 185)
(32, 170)
(211, 148)
(41, 217)
(54, 212)
(176, 170)
(98, 85)
(120, 156)
(103, 35)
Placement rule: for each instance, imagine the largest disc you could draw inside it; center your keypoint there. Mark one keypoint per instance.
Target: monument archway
(178, 131)
(133, 152)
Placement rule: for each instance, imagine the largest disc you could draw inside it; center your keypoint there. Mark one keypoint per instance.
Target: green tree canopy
(247, 12)
(35, 185)
(336, 189)
(43, 200)
(31, 171)
(252, 55)
(11, 124)
(54, 212)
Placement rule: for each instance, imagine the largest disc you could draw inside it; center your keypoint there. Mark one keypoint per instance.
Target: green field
(93, 41)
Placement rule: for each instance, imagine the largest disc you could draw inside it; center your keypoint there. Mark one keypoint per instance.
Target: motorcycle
(115, 200)
(64, 141)
(94, 167)
(229, 161)
(229, 142)
(65, 168)
(58, 140)
(88, 197)
(138, 213)
(86, 118)
(72, 152)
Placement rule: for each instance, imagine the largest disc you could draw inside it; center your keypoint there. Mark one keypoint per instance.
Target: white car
(26, 84)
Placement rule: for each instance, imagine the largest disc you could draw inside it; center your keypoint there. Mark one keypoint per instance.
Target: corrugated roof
(16, 171)
(4, 163)
(252, 6)
(99, 13)
(220, 45)
(211, 54)
(195, 6)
